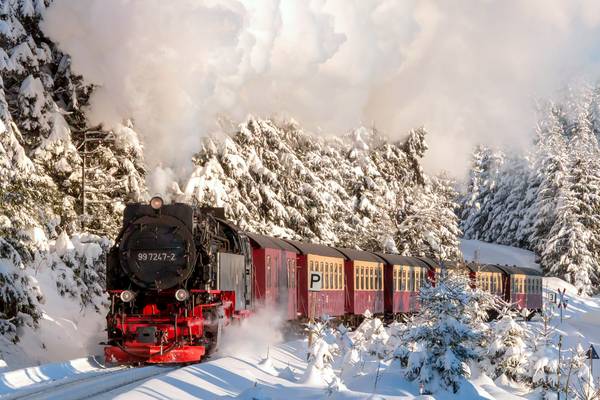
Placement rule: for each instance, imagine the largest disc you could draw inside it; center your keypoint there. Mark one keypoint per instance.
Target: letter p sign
(315, 281)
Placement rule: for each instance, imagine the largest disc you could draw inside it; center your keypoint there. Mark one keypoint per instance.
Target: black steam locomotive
(175, 276)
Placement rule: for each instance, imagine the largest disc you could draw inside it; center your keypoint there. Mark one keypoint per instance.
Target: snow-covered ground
(246, 376)
(247, 373)
(252, 366)
(66, 330)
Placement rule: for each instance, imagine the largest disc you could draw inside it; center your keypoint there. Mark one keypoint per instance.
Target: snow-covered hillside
(491, 253)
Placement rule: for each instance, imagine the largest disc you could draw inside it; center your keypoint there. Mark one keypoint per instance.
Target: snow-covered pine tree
(321, 352)
(579, 382)
(41, 111)
(479, 194)
(509, 204)
(571, 247)
(47, 103)
(426, 222)
(274, 178)
(508, 353)
(445, 334)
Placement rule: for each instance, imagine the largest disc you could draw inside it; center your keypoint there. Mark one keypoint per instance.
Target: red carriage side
(364, 282)
(330, 263)
(274, 264)
(404, 277)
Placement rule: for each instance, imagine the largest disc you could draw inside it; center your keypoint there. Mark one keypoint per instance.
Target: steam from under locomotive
(175, 66)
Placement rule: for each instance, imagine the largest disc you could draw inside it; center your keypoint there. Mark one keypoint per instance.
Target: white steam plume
(467, 70)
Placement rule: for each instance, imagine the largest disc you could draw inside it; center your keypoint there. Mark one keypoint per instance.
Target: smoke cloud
(469, 71)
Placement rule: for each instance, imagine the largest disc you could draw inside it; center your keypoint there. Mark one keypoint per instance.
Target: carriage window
(332, 276)
(374, 275)
(417, 279)
(293, 274)
(329, 275)
(521, 285)
(403, 279)
(326, 276)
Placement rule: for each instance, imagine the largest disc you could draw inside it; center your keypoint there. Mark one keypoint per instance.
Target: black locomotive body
(175, 276)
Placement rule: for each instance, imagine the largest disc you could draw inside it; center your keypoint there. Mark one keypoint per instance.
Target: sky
(470, 72)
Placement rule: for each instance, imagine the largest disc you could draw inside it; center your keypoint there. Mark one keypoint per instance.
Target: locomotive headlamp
(127, 295)
(182, 295)
(156, 202)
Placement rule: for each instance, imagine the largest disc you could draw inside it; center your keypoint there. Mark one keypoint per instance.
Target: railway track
(89, 386)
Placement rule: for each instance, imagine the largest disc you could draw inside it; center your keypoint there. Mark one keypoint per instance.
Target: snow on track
(87, 385)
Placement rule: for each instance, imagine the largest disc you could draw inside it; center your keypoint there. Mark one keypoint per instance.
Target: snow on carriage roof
(397, 259)
(317, 249)
(271, 242)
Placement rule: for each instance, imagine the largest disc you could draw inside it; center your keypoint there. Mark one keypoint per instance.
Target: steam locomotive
(178, 275)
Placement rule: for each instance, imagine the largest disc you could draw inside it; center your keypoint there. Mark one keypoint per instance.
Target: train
(178, 275)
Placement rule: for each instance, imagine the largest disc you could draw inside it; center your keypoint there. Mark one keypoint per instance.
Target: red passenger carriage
(523, 287)
(404, 277)
(330, 263)
(364, 282)
(274, 263)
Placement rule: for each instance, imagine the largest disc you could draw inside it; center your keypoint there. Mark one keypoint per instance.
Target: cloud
(469, 71)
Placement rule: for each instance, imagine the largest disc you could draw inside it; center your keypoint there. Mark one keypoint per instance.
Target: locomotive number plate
(156, 256)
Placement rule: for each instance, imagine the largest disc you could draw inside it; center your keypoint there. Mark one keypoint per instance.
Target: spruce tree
(445, 334)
